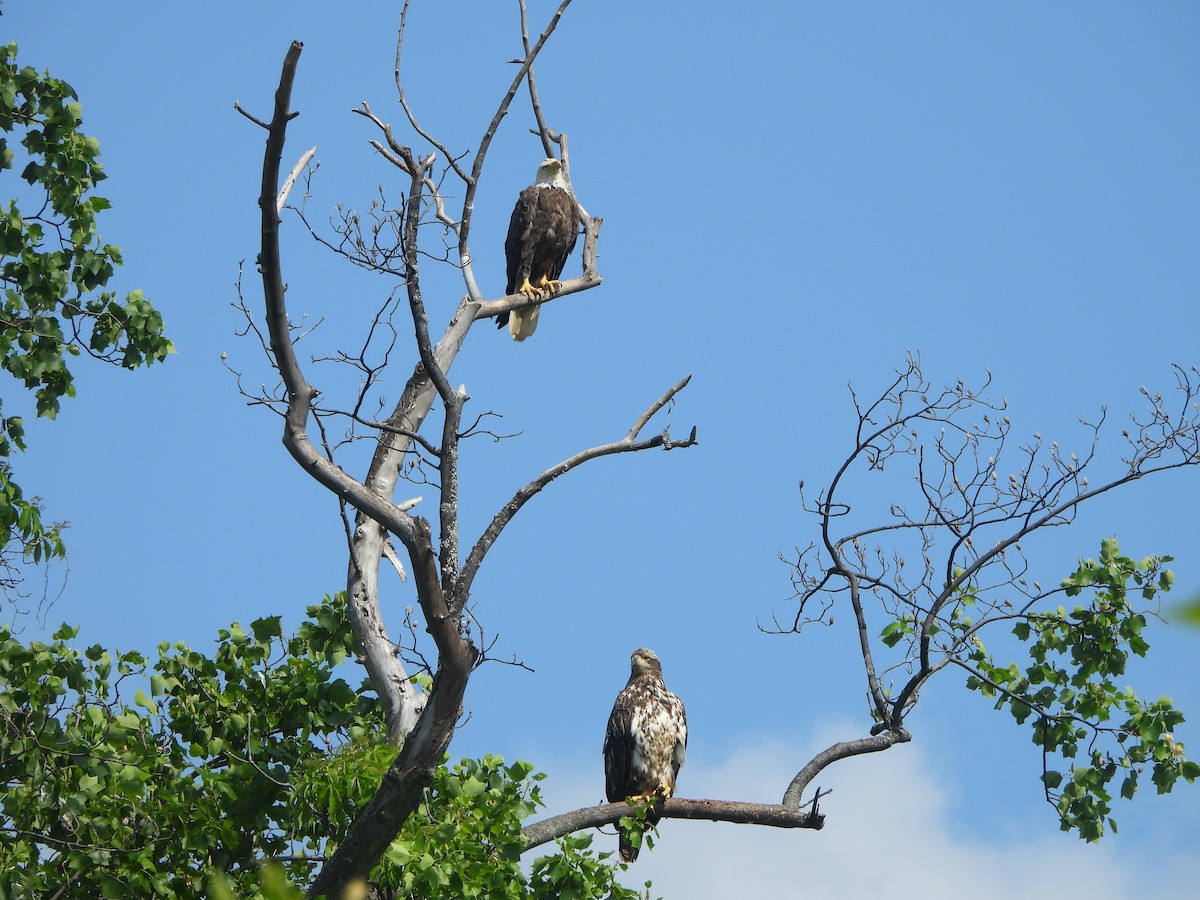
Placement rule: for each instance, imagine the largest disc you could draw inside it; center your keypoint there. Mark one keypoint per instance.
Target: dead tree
(961, 494)
(924, 578)
(441, 563)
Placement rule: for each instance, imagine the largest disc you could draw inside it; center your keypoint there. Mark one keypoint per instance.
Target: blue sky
(794, 196)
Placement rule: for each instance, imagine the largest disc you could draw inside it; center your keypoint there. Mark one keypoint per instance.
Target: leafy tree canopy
(130, 779)
(1067, 689)
(54, 274)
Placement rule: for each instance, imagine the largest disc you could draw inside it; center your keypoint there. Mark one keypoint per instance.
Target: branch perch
(769, 814)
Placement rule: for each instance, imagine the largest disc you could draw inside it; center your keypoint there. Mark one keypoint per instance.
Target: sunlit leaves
(122, 773)
(51, 256)
(146, 777)
(52, 261)
(1067, 691)
(465, 841)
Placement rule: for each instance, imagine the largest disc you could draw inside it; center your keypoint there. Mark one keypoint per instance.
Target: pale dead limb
(792, 812)
(290, 181)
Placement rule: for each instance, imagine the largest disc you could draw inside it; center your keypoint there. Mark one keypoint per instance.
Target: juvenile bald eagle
(646, 740)
(541, 235)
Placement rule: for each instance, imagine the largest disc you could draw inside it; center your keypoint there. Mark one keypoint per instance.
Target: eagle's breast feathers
(646, 740)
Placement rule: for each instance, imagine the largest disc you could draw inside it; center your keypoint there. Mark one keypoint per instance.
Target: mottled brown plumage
(645, 742)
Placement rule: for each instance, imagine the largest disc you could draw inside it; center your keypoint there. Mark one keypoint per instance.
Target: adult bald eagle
(646, 740)
(541, 235)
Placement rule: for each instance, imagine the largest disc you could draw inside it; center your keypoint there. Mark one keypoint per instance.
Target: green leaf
(473, 787)
(267, 629)
(399, 853)
(1129, 786)
(142, 699)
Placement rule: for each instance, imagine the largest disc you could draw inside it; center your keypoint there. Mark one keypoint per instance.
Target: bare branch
(967, 524)
(491, 308)
(769, 814)
(628, 444)
(392, 153)
(864, 645)
(543, 131)
(839, 751)
(412, 119)
(654, 407)
(472, 181)
(259, 122)
(300, 393)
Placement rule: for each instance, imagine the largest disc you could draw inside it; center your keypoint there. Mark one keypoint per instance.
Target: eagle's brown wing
(618, 749)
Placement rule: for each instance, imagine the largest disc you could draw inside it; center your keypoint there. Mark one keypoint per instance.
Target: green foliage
(273, 885)
(126, 778)
(465, 840)
(52, 259)
(640, 830)
(137, 799)
(54, 269)
(1068, 694)
(574, 874)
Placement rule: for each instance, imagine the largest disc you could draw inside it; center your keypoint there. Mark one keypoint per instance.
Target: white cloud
(889, 832)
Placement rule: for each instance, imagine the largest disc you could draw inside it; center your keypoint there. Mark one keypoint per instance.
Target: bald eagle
(541, 235)
(645, 742)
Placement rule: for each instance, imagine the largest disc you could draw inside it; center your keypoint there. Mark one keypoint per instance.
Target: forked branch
(769, 814)
(422, 726)
(792, 812)
(628, 444)
(965, 525)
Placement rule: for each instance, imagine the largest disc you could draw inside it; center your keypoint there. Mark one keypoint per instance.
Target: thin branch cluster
(950, 561)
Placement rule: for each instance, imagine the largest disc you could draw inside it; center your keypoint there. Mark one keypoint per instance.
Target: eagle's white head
(550, 172)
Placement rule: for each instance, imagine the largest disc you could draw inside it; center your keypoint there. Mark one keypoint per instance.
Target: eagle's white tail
(523, 322)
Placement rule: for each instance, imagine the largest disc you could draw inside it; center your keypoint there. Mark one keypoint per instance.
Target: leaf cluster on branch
(54, 273)
(1069, 694)
(126, 778)
(130, 778)
(947, 564)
